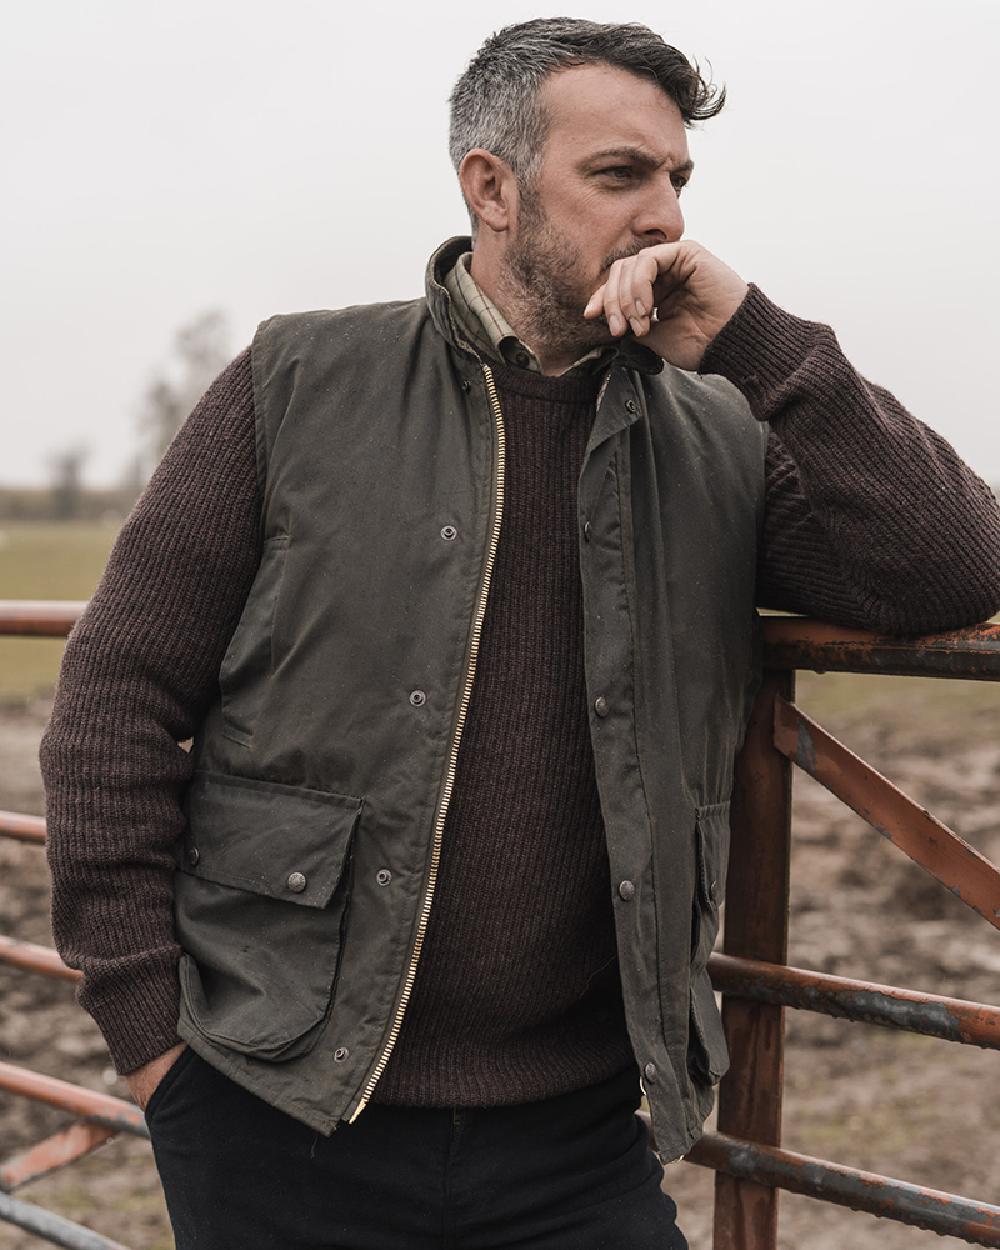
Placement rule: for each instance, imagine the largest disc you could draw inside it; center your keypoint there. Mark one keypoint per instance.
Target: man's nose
(661, 219)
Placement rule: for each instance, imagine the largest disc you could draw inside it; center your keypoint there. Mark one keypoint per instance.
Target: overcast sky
(260, 158)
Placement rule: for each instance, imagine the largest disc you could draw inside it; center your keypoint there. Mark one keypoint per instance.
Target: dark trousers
(574, 1172)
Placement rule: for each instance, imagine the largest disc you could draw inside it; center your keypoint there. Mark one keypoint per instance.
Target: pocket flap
(282, 841)
(712, 837)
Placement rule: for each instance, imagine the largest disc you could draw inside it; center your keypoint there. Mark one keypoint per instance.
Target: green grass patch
(45, 560)
(842, 700)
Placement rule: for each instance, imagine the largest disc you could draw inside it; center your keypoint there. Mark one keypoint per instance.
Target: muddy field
(874, 1098)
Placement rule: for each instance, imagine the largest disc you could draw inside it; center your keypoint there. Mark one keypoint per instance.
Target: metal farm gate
(752, 975)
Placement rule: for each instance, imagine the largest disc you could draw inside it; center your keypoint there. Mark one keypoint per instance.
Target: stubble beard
(545, 283)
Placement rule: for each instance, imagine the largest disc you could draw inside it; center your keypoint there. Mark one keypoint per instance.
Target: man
(456, 598)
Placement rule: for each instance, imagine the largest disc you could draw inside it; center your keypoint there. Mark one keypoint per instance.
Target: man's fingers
(646, 273)
(634, 287)
(641, 282)
(625, 291)
(612, 301)
(637, 278)
(668, 305)
(595, 305)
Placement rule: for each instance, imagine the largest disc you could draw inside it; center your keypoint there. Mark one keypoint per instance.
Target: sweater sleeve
(138, 672)
(871, 518)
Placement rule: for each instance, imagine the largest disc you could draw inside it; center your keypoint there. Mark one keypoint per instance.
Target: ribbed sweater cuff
(137, 1016)
(760, 347)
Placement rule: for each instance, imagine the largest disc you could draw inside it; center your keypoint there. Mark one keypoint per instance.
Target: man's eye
(679, 184)
(620, 172)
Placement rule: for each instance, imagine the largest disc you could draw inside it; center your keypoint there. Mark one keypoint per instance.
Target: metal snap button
(449, 533)
(586, 531)
(383, 876)
(626, 890)
(466, 385)
(649, 1071)
(296, 882)
(601, 705)
(631, 405)
(341, 1053)
(193, 855)
(418, 698)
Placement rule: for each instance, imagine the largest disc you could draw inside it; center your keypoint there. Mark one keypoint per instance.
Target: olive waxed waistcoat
(324, 770)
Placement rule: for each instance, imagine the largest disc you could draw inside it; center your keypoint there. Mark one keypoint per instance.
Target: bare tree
(200, 353)
(66, 483)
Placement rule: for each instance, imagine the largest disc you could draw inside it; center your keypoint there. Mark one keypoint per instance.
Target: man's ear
(489, 187)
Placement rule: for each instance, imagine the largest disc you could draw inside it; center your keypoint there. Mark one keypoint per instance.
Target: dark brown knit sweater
(517, 993)
(871, 519)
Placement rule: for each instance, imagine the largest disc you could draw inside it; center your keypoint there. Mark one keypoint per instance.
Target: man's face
(614, 161)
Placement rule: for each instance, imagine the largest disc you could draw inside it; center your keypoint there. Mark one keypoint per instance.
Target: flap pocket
(277, 840)
(261, 905)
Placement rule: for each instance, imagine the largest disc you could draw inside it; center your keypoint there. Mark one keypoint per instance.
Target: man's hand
(692, 292)
(143, 1081)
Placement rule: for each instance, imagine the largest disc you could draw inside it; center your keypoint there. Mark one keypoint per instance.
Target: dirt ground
(874, 1098)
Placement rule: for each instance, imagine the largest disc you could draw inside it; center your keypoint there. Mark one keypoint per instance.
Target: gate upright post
(756, 927)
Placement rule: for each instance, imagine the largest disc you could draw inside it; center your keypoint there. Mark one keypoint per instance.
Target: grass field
(45, 561)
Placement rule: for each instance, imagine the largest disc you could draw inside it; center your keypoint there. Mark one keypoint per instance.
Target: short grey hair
(495, 102)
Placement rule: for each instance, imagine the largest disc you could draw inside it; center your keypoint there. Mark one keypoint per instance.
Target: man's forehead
(594, 108)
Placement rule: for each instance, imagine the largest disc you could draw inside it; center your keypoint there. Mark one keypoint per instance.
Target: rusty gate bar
(22, 828)
(745, 1153)
(32, 958)
(38, 618)
(947, 1214)
(791, 642)
(103, 1117)
(52, 1153)
(52, 1227)
(933, 1015)
(87, 1104)
(756, 926)
(969, 875)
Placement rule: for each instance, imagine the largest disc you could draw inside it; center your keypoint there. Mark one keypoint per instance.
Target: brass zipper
(442, 812)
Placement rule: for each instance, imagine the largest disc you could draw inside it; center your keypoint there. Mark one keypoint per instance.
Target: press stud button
(601, 705)
(449, 533)
(296, 882)
(626, 891)
(341, 1053)
(649, 1071)
(383, 876)
(418, 698)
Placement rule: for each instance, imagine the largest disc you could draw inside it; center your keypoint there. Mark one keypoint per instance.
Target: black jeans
(574, 1172)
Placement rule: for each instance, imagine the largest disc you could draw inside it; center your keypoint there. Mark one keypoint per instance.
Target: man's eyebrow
(638, 156)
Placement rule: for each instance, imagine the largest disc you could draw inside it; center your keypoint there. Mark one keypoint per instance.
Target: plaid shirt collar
(492, 334)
